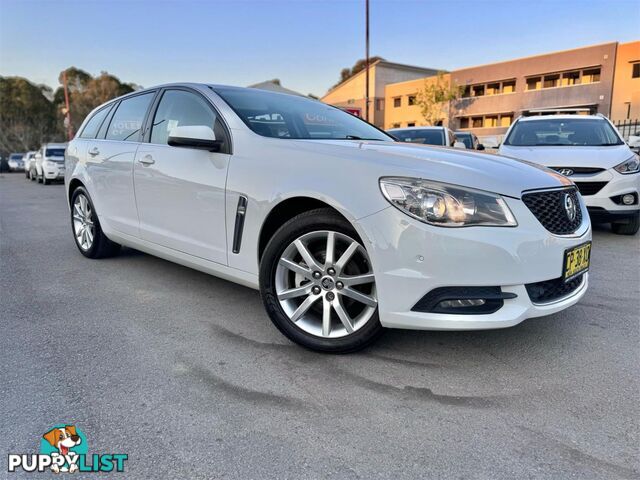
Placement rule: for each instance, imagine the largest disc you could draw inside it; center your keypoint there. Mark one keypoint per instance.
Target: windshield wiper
(355, 137)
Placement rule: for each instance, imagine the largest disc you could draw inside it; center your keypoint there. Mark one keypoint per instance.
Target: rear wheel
(318, 286)
(88, 235)
(629, 228)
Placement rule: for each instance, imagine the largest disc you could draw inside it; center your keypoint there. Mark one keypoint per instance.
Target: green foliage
(434, 98)
(27, 117)
(31, 115)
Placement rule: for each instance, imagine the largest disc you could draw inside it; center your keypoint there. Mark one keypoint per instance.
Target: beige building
(626, 83)
(401, 101)
(350, 94)
(601, 78)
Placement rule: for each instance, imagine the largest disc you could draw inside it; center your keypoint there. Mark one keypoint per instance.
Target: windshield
(290, 117)
(54, 152)
(427, 136)
(466, 139)
(15, 156)
(563, 132)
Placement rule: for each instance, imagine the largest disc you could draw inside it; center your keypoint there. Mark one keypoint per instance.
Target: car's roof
(560, 117)
(415, 128)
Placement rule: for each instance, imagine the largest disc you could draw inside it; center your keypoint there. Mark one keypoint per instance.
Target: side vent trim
(241, 212)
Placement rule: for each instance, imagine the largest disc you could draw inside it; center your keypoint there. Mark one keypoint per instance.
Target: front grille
(549, 208)
(550, 290)
(582, 170)
(590, 188)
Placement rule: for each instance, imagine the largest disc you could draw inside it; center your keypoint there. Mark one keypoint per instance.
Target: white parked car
(30, 165)
(342, 230)
(16, 162)
(50, 163)
(439, 136)
(590, 151)
(634, 141)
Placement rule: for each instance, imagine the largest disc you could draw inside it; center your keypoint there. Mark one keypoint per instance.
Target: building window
(466, 92)
(591, 76)
(493, 89)
(570, 78)
(551, 81)
(509, 86)
(478, 90)
(397, 102)
(476, 122)
(411, 124)
(505, 120)
(464, 123)
(491, 121)
(635, 73)
(412, 99)
(395, 125)
(380, 104)
(534, 83)
(351, 101)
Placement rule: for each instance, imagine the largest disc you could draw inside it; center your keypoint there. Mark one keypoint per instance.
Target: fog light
(461, 303)
(628, 199)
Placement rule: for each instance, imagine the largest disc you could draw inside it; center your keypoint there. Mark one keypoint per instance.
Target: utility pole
(366, 91)
(67, 119)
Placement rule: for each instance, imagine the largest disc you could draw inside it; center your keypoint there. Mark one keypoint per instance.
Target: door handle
(94, 151)
(147, 160)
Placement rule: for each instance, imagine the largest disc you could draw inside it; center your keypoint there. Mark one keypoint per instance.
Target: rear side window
(430, 137)
(91, 128)
(127, 121)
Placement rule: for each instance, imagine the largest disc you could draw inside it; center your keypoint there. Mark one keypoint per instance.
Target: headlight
(629, 166)
(446, 205)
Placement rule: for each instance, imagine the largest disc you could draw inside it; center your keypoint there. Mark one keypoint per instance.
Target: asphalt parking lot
(185, 373)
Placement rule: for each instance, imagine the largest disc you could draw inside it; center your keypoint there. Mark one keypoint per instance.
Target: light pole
(366, 80)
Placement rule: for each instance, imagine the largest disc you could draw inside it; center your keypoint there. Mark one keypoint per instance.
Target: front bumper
(410, 259)
(53, 172)
(601, 205)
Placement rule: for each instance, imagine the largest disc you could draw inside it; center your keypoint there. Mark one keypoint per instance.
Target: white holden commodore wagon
(343, 230)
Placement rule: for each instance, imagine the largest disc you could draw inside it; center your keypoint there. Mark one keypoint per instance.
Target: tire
(100, 246)
(629, 228)
(352, 324)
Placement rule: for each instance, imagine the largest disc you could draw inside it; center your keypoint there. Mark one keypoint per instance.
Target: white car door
(180, 191)
(110, 159)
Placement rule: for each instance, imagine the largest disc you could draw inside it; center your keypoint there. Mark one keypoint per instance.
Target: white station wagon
(343, 230)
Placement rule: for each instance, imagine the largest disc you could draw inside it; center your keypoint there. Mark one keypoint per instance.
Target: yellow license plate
(576, 261)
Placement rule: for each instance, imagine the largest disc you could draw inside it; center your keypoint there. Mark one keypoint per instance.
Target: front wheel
(317, 284)
(629, 228)
(89, 237)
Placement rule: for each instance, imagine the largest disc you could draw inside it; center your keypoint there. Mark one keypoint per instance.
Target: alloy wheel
(325, 284)
(83, 226)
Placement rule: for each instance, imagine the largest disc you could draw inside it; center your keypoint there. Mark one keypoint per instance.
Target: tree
(86, 93)
(347, 73)
(27, 117)
(434, 98)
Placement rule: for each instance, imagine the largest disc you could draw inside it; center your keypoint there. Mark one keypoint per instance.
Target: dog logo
(570, 207)
(64, 439)
(63, 449)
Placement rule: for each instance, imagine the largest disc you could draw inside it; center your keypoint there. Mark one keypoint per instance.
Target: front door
(180, 192)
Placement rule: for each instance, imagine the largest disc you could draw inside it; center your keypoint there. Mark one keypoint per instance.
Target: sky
(304, 43)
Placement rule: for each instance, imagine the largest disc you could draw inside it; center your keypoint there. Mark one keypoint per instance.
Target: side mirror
(194, 136)
(459, 145)
(480, 147)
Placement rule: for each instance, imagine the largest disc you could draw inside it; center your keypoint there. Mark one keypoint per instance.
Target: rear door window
(91, 128)
(127, 121)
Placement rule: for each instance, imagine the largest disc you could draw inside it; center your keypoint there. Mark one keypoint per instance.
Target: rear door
(180, 192)
(110, 160)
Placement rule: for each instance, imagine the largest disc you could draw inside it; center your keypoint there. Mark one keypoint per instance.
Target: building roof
(274, 86)
(385, 63)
